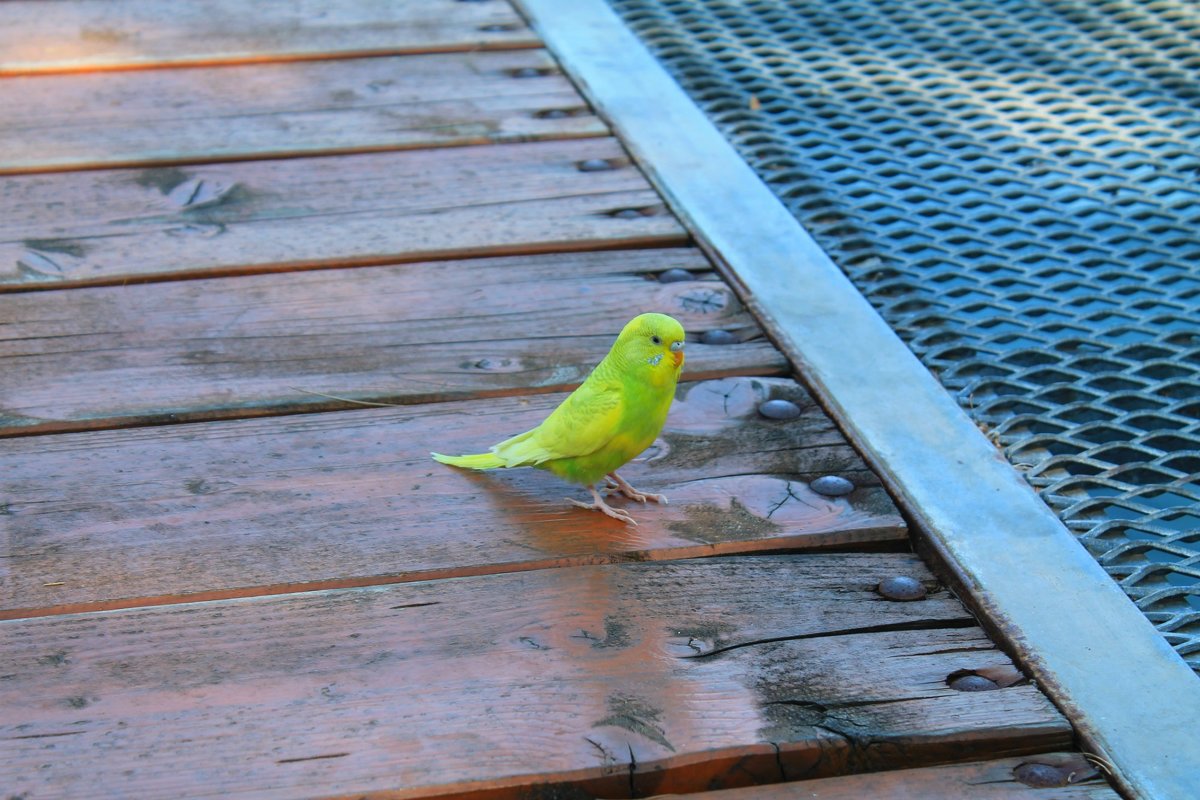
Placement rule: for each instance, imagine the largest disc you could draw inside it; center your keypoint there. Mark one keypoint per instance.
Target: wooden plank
(159, 515)
(981, 780)
(275, 110)
(1025, 572)
(112, 226)
(72, 35)
(251, 345)
(629, 679)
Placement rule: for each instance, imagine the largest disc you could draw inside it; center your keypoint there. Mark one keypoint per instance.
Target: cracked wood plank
(980, 780)
(73, 35)
(112, 519)
(491, 685)
(253, 345)
(114, 226)
(279, 110)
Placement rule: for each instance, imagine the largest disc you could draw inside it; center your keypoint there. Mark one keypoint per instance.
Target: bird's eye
(656, 339)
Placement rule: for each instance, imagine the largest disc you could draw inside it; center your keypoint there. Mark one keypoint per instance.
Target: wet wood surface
(629, 679)
(274, 110)
(185, 512)
(70, 35)
(226, 347)
(215, 579)
(111, 226)
(1069, 777)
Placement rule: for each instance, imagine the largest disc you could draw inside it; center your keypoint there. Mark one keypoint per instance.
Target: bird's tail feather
(475, 461)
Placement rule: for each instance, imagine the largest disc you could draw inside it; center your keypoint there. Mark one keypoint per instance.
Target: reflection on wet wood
(111, 226)
(629, 679)
(250, 345)
(183, 512)
(1069, 775)
(274, 110)
(69, 35)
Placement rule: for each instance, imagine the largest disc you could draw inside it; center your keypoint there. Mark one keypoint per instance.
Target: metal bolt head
(779, 409)
(718, 336)
(594, 165)
(832, 486)
(901, 587)
(970, 682)
(1042, 776)
(675, 275)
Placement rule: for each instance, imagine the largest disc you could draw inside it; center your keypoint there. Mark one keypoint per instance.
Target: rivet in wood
(1042, 776)
(675, 275)
(970, 682)
(594, 165)
(832, 486)
(718, 336)
(779, 409)
(901, 587)
(526, 72)
(627, 213)
(553, 113)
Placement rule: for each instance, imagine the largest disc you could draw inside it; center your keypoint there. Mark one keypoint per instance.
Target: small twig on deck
(345, 399)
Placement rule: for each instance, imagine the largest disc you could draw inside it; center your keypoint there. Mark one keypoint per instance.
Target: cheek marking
(653, 360)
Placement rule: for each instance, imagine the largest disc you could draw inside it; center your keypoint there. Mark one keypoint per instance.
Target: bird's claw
(605, 508)
(634, 494)
(618, 485)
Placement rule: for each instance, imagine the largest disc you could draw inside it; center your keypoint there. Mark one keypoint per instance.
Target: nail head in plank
(166, 514)
(1069, 622)
(278, 110)
(250, 345)
(76, 35)
(111, 226)
(588, 674)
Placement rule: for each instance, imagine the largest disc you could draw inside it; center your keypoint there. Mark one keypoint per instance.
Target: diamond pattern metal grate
(1015, 185)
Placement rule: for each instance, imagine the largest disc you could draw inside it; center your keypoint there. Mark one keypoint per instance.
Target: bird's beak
(677, 353)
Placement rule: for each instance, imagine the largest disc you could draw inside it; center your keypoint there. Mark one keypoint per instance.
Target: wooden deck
(219, 579)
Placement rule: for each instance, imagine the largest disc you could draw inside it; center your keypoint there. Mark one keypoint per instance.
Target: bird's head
(653, 340)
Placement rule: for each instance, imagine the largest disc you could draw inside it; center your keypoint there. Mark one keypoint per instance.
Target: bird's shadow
(534, 507)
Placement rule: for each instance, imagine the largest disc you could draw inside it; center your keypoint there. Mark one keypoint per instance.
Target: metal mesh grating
(1013, 184)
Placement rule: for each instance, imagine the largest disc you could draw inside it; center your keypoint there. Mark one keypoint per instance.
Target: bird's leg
(622, 486)
(598, 504)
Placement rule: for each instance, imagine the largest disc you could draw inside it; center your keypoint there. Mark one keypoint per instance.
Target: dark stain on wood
(709, 523)
(635, 715)
(164, 179)
(616, 634)
(69, 247)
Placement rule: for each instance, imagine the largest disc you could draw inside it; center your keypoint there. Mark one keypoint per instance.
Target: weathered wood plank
(156, 515)
(69, 35)
(274, 110)
(636, 678)
(112, 226)
(228, 347)
(981, 780)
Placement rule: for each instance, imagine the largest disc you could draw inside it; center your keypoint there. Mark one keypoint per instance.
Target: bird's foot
(618, 485)
(598, 504)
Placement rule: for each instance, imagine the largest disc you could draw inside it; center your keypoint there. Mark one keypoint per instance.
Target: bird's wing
(582, 424)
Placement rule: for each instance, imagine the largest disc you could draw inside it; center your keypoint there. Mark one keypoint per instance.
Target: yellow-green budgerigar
(612, 417)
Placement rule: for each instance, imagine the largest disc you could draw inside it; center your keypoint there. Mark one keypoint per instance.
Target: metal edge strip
(1130, 696)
